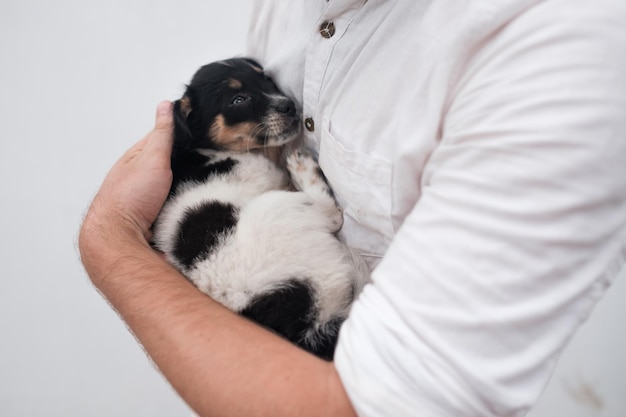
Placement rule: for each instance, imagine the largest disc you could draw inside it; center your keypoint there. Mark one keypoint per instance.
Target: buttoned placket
(331, 26)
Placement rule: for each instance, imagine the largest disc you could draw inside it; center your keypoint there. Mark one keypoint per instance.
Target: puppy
(232, 224)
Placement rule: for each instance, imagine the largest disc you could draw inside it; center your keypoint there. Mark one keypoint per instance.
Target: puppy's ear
(182, 132)
(184, 106)
(254, 64)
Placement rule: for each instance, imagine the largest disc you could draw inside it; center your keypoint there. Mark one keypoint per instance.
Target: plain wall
(79, 83)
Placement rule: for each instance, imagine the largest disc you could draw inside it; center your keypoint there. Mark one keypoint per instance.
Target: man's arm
(220, 363)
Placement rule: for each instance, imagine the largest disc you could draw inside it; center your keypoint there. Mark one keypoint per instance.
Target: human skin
(220, 363)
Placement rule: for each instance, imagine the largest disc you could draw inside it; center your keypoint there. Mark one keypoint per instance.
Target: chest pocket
(362, 187)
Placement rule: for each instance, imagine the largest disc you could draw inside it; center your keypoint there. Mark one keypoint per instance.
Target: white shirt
(479, 149)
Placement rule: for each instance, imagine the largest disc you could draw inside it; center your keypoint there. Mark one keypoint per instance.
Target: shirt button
(309, 124)
(327, 29)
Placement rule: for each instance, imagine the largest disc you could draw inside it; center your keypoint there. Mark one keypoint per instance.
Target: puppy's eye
(239, 99)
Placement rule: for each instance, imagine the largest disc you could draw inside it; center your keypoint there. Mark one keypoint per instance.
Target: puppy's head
(233, 105)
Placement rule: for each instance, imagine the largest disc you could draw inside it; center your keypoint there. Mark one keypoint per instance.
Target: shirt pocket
(362, 187)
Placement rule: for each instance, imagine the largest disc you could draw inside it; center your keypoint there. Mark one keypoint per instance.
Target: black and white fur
(233, 224)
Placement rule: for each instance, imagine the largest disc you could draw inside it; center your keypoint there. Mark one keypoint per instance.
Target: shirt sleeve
(520, 228)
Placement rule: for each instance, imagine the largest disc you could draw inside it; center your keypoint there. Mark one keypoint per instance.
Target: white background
(79, 83)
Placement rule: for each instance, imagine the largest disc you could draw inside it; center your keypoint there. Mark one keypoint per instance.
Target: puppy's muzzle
(285, 106)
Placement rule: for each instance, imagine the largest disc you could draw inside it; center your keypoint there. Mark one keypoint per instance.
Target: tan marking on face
(234, 84)
(185, 106)
(234, 138)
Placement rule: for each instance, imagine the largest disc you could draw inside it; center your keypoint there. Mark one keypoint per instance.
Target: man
(477, 149)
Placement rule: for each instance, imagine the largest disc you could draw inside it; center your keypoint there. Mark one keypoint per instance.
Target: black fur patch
(193, 167)
(222, 167)
(200, 230)
(286, 310)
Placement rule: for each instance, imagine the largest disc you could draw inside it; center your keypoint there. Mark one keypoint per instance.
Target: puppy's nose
(286, 107)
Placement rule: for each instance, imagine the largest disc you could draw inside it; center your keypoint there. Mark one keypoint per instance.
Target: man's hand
(131, 195)
(136, 187)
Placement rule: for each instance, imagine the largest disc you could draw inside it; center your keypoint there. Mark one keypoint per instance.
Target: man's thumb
(162, 135)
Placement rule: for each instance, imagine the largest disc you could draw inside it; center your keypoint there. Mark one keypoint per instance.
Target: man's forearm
(220, 363)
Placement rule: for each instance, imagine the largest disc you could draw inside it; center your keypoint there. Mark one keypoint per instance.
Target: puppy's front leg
(307, 177)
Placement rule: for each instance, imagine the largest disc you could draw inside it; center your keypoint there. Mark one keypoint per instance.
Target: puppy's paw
(305, 173)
